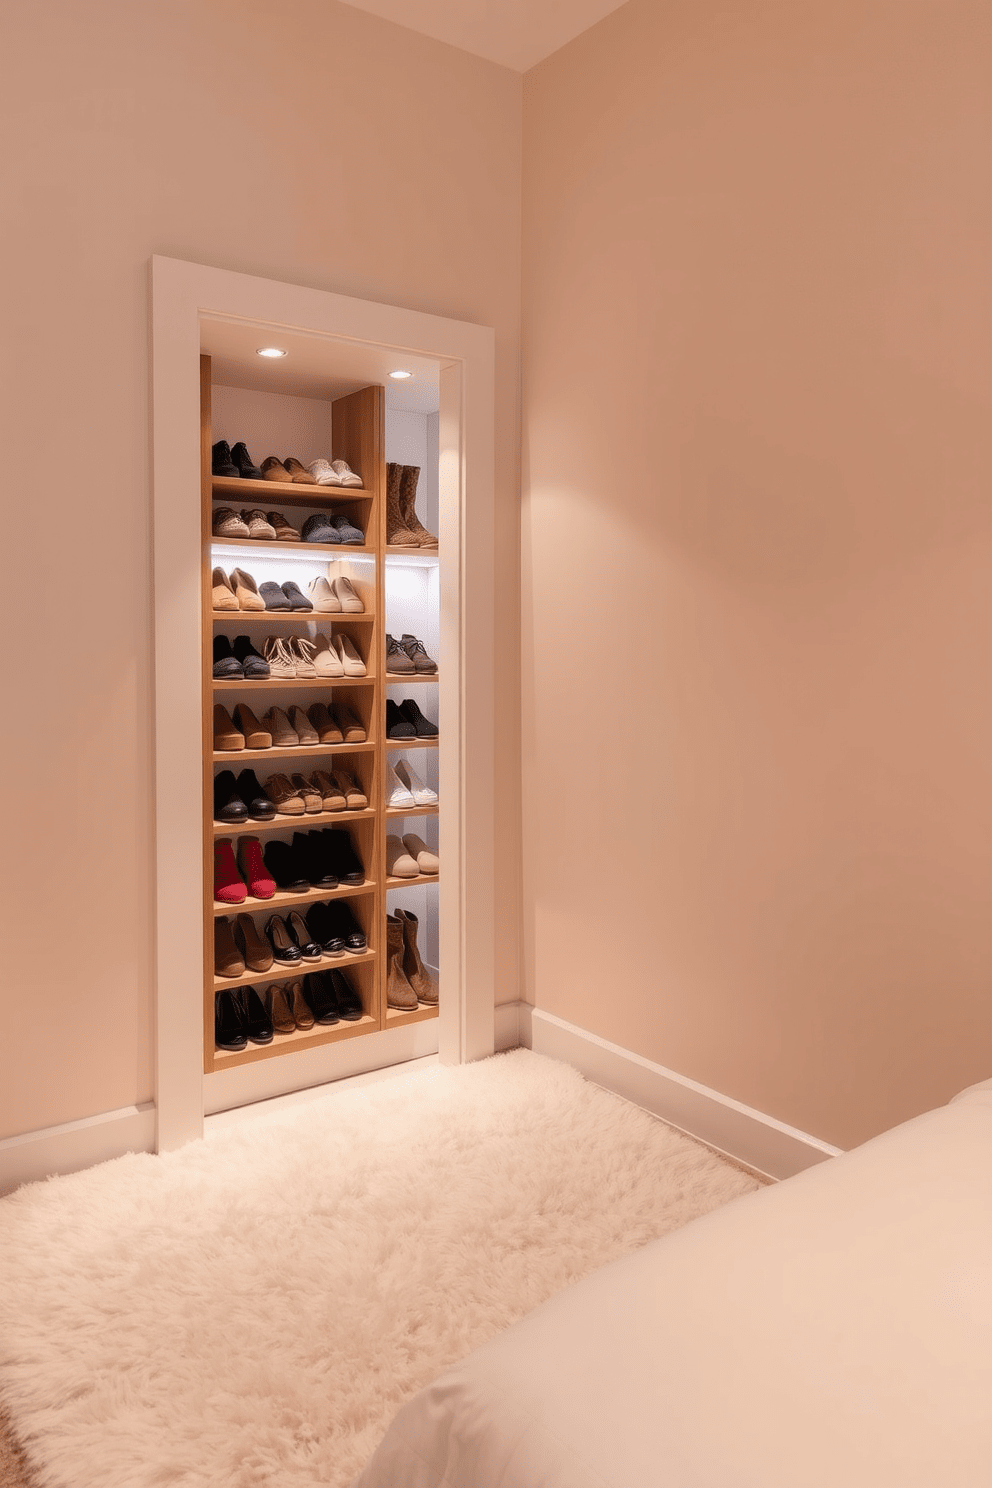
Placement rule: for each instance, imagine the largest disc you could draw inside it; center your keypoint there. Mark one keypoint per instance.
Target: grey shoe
(397, 660)
(417, 653)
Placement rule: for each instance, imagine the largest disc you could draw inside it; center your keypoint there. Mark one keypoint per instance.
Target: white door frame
(181, 293)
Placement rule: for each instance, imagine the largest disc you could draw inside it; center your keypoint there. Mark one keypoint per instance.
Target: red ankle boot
(261, 885)
(228, 885)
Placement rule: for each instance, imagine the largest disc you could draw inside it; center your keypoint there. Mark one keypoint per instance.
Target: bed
(831, 1331)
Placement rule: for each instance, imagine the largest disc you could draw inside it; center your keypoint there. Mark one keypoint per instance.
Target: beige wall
(757, 239)
(306, 142)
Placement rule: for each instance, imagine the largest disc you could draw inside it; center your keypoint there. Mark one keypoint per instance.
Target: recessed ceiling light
(273, 351)
(401, 374)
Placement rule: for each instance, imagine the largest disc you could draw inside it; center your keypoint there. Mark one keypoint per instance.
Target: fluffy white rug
(254, 1308)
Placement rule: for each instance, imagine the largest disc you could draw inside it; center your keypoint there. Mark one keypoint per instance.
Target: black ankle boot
(221, 462)
(243, 461)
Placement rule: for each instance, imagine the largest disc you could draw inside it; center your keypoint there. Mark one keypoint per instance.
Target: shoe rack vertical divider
(358, 432)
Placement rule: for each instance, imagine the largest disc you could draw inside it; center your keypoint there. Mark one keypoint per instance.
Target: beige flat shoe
(327, 660)
(399, 862)
(224, 597)
(345, 474)
(351, 663)
(246, 590)
(276, 653)
(226, 734)
(304, 652)
(347, 596)
(256, 737)
(322, 596)
(427, 861)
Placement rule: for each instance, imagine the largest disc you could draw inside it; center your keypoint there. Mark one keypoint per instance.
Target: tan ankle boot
(416, 972)
(409, 476)
(396, 530)
(399, 993)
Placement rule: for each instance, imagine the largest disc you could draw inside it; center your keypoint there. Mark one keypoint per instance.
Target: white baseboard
(507, 1021)
(770, 1147)
(76, 1145)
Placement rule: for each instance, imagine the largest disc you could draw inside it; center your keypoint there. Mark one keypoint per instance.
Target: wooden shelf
(412, 810)
(395, 1017)
(285, 1043)
(399, 679)
(289, 493)
(289, 751)
(240, 685)
(398, 550)
(277, 973)
(283, 899)
(412, 743)
(412, 883)
(280, 823)
(240, 617)
(320, 550)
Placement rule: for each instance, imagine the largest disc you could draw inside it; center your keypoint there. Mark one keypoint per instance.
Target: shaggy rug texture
(253, 1309)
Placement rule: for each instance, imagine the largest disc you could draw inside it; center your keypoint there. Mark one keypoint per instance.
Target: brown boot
(399, 993)
(416, 972)
(409, 476)
(396, 530)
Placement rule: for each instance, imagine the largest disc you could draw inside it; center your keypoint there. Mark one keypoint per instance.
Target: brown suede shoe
(284, 530)
(226, 734)
(285, 797)
(416, 972)
(409, 476)
(278, 1009)
(313, 800)
(327, 728)
(274, 470)
(228, 960)
(281, 730)
(332, 797)
(399, 993)
(396, 529)
(298, 1005)
(351, 726)
(297, 472)
(256, 737)
(354, 797)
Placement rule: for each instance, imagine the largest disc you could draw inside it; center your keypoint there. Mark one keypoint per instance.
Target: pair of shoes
(405, 721)
(241, 732)
(336, 597)
(285, 1006)
(319, 725)
(326, 527)
(403, 527)
(255, 525)
(334, 790)
(407, 979)
(240, 799)
(404, 787)
(406, 656)
(230, 887)
(336, 724)
(409, 856)
(239, 945)
(324, 656)
(290, 469)
(320, 859)
(333, 473)
(237, 592)
(233, 462)
(291, 941)
(240, 1017)
(331, 997)
(239, 660)
(333, 926)
(290, 656)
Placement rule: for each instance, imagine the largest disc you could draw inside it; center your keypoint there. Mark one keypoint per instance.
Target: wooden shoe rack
(358, 422)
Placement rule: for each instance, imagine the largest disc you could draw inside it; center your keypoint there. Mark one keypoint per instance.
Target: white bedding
(833, 1331)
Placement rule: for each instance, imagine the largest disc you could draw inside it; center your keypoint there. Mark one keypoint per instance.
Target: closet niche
(350, 882)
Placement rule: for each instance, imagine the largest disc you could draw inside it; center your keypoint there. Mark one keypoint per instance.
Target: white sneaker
(396, 792)
(347, 596)
(422, 794)
(352, 664)
(346, 476)
(323, 473)
(326, 659)
(322, 596)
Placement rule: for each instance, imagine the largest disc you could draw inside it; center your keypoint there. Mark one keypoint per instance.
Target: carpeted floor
(253, 1309)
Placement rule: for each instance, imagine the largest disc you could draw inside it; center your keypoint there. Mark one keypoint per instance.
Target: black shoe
(310, 949)
(284, 865)
(255, 667)
(226, 664)
(349, 1002)
(342, 924)
(220, 459)
(229, 805)
(258, 1024)
(398, 726)
(341, 856)
(297, 599)
(284, 948)
(230, 1029)
(320, 996)
(314, 860)
(423, 727)
(260, 808)
(243, 463)
(346, 529)
(321, 928)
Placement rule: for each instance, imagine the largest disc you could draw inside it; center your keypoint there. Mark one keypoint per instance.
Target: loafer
(426, 861)
(286, 800)
(345, 592)
(398, 726)
(422, 793)
(351, 663)
(320, 924)
(227, 523)
(246, 590)
(223, 595)
(423, 727)
(229, 805)
(247, 469)
(349, 1002)
(418, 654)
(257, 955)
(317, 529)
(312, 853)
(298, 473)
(220, 460)
(226, 664)
(259, 527)
(321, 997)
(297, 599)
(285, 868)
(397, 794)
(302, 1015)
(254, 666)
(341, 856)
(321, 473)
(277, 656)
(305, 731)
(313, 800)
(258, 1025)
(261, 884)
(323, 596)
(399, 863)
(398, 663)
(260, 808)
(309, 948)
(346, 529)
(355, 798)
(256, 737)
(229, 886)
(228, 960)
(345, 474)
(277, 1006)
(281, 731)
(327, 727)
(326, 658)
(332, 797)
(227, 736)
(230, 1031)
(273, 597)
(274, 470)
(351, 726)
(284, 949)
(284, 529)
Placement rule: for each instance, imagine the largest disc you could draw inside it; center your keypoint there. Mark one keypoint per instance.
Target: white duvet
(834, 1331)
